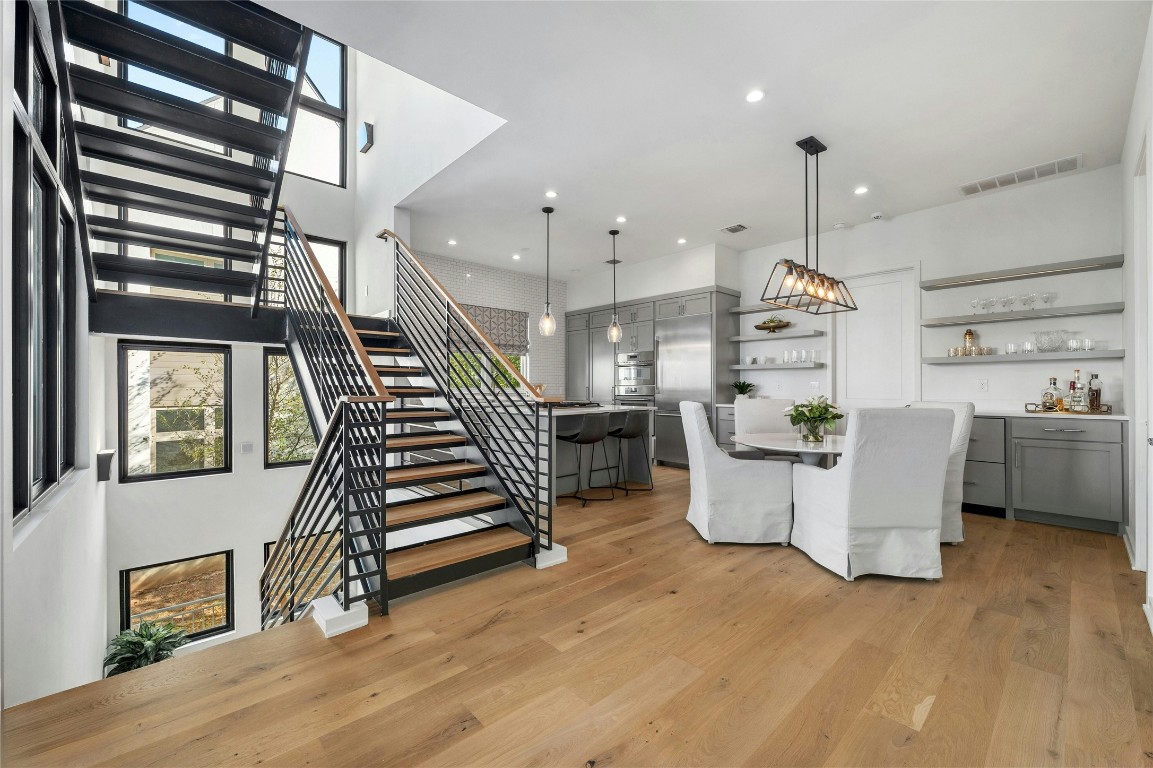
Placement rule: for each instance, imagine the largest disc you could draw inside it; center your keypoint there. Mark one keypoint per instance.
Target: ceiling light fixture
(621, 219)
(754, 96)
(516, 257)
(681, 241)
(547, 324)
(550, 194)
(452, 242)
(793, 286)
(860, 190)
(616, 333)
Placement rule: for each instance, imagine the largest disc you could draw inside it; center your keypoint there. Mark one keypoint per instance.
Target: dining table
(791, 442)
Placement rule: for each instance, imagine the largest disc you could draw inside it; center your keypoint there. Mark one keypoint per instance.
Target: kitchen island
(597, 472)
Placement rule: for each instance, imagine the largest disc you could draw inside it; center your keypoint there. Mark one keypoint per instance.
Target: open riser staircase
(418, 480)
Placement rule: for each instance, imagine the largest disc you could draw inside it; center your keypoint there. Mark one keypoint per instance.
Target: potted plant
(772, 324)
(743, 388)
(813, 414)
(143, 645)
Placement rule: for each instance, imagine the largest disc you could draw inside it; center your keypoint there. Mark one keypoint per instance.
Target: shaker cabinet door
(643, 336)
(667, 308)
(577, 358)
(698, 304)
(1068, 477)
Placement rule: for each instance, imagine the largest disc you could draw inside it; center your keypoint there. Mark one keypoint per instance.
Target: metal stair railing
(507, 418)
(333, 541)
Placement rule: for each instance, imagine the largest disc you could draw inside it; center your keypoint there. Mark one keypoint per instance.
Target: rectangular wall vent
(1042, 171)
(734, 229)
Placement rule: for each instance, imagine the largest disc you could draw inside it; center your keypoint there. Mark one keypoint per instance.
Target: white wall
(1067, 218)
(487, 286)
(159, 520)
(688, 270)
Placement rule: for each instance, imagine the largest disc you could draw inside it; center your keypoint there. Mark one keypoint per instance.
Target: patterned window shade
(507, 329)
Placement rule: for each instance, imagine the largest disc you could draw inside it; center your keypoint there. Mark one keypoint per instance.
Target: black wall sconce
(364, 137)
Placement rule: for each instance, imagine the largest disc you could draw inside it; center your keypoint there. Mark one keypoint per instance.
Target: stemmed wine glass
(1011, 300)
(1005, 301)
(1028, 300)
(1048, 297)
(974, 303)
(992, 303)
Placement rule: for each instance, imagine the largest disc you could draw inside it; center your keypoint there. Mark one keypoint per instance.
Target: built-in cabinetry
(726, 427)
(589, 356)
(1051, 469)
(680, 306)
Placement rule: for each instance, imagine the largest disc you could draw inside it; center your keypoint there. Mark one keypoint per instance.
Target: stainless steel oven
(636, 373)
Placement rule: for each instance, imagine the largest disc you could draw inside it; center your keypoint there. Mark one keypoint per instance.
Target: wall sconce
(364, 137)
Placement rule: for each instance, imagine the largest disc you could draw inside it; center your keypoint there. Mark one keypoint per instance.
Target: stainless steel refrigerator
(687, 369)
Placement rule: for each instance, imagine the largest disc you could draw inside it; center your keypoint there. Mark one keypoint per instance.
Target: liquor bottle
(1094, 392)
(1077, 402)
(1051, 396)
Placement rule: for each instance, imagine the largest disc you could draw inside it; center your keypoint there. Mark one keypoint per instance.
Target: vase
(742, 397)
(812, 432)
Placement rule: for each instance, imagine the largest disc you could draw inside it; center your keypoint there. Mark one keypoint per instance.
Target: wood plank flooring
(653, 648)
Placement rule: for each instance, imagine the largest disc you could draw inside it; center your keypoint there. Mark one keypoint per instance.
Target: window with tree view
(288, 437)
(477, 372)
(174, 415)
(195, 594)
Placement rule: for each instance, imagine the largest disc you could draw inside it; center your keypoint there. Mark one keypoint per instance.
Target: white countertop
(601, 409)
(1020, 414)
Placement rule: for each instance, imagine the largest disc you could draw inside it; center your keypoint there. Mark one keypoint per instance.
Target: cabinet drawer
(1081, 430)
(601, 319)
(987, 441)
(984, 483)
(576, 322)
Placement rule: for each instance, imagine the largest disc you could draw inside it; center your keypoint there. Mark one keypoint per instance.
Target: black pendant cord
(614, 276)
(806, 210)
(547, 255)
(817, 213)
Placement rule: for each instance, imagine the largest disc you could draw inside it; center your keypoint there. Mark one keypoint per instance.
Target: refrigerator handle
(660, 364)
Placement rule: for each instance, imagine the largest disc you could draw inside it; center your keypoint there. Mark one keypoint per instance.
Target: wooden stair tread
(389, 334)
(412, 391)
(430, 472)
(430, 440)
(398, 413)
(399, 369)
(409, 562)
(388, 350)
(441, 507)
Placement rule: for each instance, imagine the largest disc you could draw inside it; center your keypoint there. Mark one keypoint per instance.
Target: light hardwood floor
(651, 647)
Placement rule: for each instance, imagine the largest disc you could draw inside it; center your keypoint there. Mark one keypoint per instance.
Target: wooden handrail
(493, 349)
(338, 310)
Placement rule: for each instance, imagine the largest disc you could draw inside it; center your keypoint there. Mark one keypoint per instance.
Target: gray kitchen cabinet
(603, 360)
(667, 308)
(681, 306)
(643, 339)
(1069, 478)
(726, 427)
(601, 319)
(578, 358)
(576, 322)
(985, 479)
(637, 313)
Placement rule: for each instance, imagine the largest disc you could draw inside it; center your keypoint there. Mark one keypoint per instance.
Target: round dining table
(791, 442)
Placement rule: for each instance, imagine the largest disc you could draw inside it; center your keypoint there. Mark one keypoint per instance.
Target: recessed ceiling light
(682, 241)
(754, 96)
(468, 274)
(860, 190)
(516, 257)
(452, 242)
(621, 219)
(550, 194)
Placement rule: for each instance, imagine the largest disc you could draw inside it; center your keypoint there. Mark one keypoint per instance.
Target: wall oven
(635, 375)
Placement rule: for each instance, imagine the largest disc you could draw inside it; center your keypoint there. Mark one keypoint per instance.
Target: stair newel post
(344, 504)
(382, 552)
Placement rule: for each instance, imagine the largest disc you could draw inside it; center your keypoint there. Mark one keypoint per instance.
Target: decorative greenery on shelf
(743, 387)
(143, 645)
(811, 415)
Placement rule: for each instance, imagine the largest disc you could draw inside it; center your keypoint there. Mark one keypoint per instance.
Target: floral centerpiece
(812, 415)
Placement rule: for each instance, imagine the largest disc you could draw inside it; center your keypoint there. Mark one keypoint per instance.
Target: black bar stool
(594, 429)
(636, 426)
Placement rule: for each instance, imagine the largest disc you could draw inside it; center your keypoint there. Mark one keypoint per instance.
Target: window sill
(47, 504)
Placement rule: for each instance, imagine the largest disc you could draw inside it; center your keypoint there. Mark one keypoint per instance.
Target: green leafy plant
(774, 319)
(141, 646)
(812, 414)
(743, 387)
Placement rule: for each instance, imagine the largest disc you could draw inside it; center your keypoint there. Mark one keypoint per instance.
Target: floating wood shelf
(1112, 308)
(774, 366)
(1023, 273)
(766, 336)
(1096, 354)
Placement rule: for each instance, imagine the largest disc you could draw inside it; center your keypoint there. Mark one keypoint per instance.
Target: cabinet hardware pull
(1055, 429)
(1016, 455)
(968, 482)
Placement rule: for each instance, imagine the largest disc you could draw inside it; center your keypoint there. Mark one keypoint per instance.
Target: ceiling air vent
(734, 229)
(1042, 171)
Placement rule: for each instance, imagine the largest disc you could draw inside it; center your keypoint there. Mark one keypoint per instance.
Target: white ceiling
(638, 108)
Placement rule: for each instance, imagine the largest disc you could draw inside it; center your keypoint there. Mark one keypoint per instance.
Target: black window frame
(342, 245)
(229, 593)
(122, 348)
(282, 352)
(324, 109)
(39, 159)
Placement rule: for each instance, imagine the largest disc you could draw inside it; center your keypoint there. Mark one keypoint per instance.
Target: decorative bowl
(1051, 341)
(772, 327)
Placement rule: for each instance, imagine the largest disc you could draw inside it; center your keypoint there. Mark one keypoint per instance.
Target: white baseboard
(547, 558)
(334, 620)
(1130, 550)
(1149, 615)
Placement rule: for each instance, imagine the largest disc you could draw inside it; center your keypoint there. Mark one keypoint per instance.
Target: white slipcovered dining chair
(879, 509)
(952, 528)
(730, 500)
(759, 415)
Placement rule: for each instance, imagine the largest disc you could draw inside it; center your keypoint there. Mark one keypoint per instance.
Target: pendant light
(616, 333)
(793, 286)
(547, 324)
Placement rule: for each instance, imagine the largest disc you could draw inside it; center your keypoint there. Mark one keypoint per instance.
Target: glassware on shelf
(1051, 341)
(974, 303)
(1048, 297)
(1010, 348)
(804, 355)
(812, 355)
(1005, 301)
(1087, 345)
(1073, 345)
(992, 303)
(1028, 348)
(1012, 302)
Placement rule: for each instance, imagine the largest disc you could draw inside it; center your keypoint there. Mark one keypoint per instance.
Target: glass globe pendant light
(616, 333)
(547, 324)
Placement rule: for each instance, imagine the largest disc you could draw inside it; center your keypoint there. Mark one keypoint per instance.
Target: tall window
(288, 437)
(317, 149)
(43, 293)
(195, 594)
(175, 410)
(329, 253)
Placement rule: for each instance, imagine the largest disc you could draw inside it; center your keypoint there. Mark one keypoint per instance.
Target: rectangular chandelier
(795, 286)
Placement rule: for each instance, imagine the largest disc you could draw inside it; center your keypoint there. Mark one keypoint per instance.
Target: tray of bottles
(1104, 410)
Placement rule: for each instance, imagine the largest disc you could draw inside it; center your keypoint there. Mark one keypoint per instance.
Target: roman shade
(507, 328)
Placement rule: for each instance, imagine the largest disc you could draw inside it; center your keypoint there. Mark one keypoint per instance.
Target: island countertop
(601, 409)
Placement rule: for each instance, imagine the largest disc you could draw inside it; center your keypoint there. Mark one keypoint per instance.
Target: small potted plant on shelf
(813, 416)
(772, 324)
(141, 646)
(743, 388)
